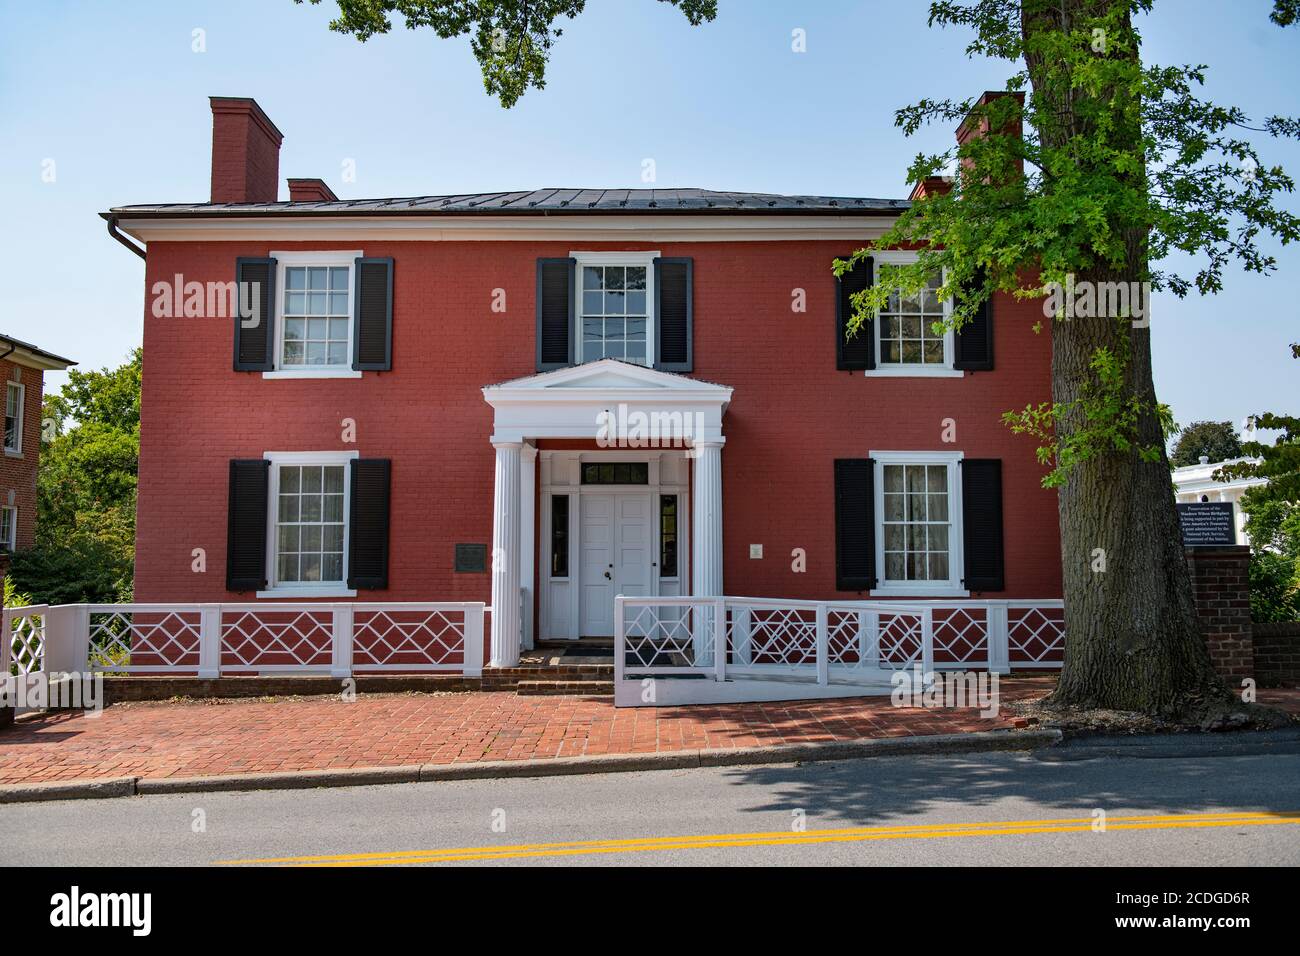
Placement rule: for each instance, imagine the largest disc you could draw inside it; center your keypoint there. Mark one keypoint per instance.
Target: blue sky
(116, 97)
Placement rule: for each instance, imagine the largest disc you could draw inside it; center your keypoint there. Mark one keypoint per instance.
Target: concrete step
(584, 688)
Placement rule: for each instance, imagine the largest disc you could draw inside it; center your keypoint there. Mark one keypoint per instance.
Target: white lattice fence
(1036, 635)
(674, 636)
(24, 640)
(269, 639)
(142, 639)
(428, 637)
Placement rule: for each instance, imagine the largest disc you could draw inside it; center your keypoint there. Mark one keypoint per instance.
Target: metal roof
(540, 202)
(12, 344)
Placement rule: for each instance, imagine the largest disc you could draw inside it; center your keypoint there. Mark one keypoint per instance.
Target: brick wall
(1221, 589)
(1277, 654)
(792, 413)
(18, 472)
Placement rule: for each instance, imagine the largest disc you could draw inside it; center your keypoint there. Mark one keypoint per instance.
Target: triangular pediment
(609, 374)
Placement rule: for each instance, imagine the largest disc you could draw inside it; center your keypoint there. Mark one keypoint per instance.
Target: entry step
(584, 688)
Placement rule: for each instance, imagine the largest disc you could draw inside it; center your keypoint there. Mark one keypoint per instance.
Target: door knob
(608, 576)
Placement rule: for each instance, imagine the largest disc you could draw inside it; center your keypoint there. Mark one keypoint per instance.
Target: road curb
(978, 742)
(73, 790)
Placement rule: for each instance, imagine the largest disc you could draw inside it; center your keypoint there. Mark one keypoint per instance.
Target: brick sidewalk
(318, 733)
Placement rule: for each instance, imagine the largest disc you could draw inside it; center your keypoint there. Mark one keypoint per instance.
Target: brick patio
(248, 736)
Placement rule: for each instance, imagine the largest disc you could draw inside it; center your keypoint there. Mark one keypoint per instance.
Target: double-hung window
(8, 528)
(615, 307)
(309, 504)
(314, 314)
(906, 342)
(918, 534)
(14, 395)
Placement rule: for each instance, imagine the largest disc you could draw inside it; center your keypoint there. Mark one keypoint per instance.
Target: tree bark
(1133, 641)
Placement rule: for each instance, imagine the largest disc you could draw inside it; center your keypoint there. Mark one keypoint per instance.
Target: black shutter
(981, 505)
(246, 525)
(368, 525)
(858, 352)
(975, 338)
(372, 317)
(855, 524)
(255, 326)
(674, 314)
(555, 300)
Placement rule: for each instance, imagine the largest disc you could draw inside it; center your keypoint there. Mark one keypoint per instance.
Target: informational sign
(1207, 523)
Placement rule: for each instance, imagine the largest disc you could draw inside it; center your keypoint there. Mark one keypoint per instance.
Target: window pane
(893, 477)
(591, 277)
(316, 278)
(591, 303)
(614, 303)
(614, 277)
(560, 536)
(636, 303)
(295, 278)
(296, 304)
(339, 279)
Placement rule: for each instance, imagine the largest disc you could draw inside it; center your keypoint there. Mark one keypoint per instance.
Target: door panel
(596, 537)
(616, 544)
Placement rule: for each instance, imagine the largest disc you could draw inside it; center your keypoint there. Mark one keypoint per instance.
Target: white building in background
(1196, 482)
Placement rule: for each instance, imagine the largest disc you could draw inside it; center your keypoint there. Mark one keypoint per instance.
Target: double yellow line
(783, 838)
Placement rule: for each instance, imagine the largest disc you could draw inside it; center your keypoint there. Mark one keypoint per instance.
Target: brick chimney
(245, 151)
(931, 186)
(976, 127)
(310, 190)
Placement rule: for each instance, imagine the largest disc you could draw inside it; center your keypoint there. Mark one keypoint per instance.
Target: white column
(706, 550)
(706, 523)
(527, 524)
(505, 556)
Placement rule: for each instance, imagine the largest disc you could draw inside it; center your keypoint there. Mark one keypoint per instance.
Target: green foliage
(1279, 462)
(512, 39)
(1274, 588)
(86, 491)
(1112, 149)
(1216, 440)
(1109, 411)
(13, 597)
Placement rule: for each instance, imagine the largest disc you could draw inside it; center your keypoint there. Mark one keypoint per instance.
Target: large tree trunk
(1132, 639)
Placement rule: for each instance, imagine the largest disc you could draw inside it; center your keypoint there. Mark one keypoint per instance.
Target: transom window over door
(916, 523)
(317, 317)
(615, 312)
(907, 335)
(309, 524)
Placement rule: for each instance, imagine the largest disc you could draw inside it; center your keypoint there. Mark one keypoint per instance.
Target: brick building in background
(22, 369)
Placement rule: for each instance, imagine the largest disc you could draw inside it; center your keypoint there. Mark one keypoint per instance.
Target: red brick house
(335, 433)
(22, 368)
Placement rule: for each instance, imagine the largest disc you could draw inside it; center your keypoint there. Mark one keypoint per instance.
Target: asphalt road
(1046, 807)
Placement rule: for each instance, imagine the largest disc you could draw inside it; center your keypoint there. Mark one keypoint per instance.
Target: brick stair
(584, 678)
(545, 688)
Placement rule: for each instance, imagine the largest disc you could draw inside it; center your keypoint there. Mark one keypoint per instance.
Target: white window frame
(900, 257)
(330, 589)
(17, 450)
(956, 551)
(12, 544)
(646, 259)
(338, 259)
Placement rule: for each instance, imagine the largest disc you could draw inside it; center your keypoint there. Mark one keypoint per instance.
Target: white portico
(613, 518)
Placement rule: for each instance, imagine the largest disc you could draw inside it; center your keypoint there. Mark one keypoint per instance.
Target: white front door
(616, 545)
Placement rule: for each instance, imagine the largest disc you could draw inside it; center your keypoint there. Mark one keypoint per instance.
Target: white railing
(827, 643)
(208, 640)
(22, 647)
